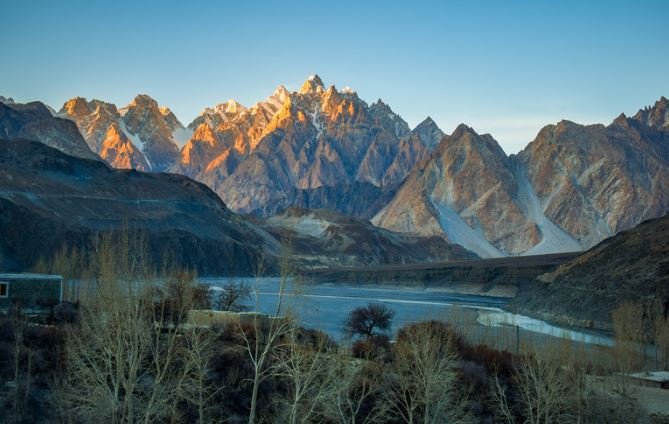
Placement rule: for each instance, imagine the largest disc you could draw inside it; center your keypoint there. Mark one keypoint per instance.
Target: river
(325, 306)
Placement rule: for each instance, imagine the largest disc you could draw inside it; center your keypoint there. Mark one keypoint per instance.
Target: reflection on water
(325, 306)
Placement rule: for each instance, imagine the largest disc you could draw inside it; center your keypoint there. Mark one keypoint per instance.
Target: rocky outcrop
(657, 116)
(33, 121)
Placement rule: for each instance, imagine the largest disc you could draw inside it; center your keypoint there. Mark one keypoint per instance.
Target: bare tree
(22, 365)
(549, 385)
(197, 387)
(369, 321)
(263, 338)
(628, 326)
(629, 354)
(127, 359)
(308, 376)
(231, 296)
(423, 383)
(357, 395)
(545, 390)
(500, 397)
(661, 336)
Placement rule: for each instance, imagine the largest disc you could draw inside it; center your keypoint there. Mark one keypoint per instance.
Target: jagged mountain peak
(144, 99)
(313, 84)
(656, 116)
(462, 130)
(34, 121)
(380, 104)
(36, 109)
(427, 122)
(380, 108)
(232, 106)
(6, 100)
(281, 92)
(429, 133)
(76, 106)
(278, 98)
(621, 121)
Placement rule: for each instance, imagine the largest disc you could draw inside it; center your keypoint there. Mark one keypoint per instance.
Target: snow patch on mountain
(136, 141)
(317, 121)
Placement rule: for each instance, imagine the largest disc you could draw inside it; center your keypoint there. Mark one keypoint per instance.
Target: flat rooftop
(30, 276)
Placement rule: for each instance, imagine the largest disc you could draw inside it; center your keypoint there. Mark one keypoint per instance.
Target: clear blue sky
(503, 67)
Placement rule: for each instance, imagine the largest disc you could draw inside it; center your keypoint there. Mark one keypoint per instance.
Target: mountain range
(56, 192)
(323, 148)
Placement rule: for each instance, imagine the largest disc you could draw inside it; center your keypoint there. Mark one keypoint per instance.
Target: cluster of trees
(131, 355)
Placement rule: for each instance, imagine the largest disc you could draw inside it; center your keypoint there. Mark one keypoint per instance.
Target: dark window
(4, 289)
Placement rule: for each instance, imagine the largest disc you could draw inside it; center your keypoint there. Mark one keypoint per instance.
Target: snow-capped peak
(312, 84)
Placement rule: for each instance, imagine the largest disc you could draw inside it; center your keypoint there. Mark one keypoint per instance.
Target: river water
(325, 307)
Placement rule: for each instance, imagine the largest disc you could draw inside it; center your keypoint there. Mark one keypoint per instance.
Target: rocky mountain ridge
(323, 148)
(50, 200)
(570, 188)
(141, 135)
